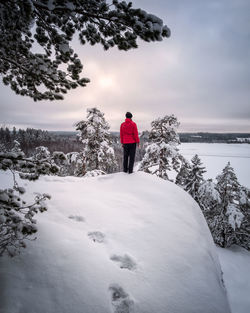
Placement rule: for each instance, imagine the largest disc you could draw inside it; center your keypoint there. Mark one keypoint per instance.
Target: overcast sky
(201, 74)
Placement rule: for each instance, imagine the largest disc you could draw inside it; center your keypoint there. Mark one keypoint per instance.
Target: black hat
(129, 115)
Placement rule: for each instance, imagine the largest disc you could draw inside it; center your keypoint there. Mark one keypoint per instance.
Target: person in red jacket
(129, 138)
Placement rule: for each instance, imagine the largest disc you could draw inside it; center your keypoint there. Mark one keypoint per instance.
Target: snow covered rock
(115, 243)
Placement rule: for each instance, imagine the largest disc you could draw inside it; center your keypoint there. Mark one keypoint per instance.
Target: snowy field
(114, 244)
(215, 157)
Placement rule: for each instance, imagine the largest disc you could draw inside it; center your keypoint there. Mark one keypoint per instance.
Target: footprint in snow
(77, 218)
(124, 261)
(121, 301)
(96, 236)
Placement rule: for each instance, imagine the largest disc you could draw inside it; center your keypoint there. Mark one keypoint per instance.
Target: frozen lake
(216, 155)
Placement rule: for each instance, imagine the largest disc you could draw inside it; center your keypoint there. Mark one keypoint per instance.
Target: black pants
(128, 157)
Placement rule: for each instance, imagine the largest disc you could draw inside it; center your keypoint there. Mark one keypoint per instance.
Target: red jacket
(129, 132)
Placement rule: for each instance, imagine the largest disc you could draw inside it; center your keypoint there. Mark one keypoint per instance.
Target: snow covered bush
(97, 150)
(60, 160)
(75, 163)
(94, 173)
(66, 164)
(16, 217)
(70, 164)
(162, 154)
(51, 26)
(41, 153)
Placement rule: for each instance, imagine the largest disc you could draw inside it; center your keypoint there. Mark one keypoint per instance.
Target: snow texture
(235, 263)
(235, 216)
(156, 254)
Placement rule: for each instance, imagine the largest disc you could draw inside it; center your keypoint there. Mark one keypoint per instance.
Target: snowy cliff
(114, 244)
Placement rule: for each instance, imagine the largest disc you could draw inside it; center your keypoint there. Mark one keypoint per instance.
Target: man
(129, 138)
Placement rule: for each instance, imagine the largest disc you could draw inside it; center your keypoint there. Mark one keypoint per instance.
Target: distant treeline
(67, 141)
(31, 138)
(215, 137)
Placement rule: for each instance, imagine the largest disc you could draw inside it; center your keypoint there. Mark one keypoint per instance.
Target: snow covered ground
(215, 157)
(114, 244)
(235, 263)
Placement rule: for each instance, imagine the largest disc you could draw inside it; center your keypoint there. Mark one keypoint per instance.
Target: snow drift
(115, 244)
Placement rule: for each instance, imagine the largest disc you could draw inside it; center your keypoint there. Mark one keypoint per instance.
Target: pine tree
(228, 185)
(182, 176)
(208, 196)
(14, 133)
(2, 148)
(209, 201)
(60, 160)
(243, 235)
(57, 67)
(97, 151)
(17, 221)
(195, 177)
(229, 218)
(162, 153)
(16, 147)
(226, 207)
(7, 138)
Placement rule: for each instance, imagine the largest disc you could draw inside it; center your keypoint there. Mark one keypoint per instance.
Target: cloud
(201, 74)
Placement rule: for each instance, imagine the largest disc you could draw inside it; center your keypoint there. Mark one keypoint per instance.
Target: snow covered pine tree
(162, 153)
(17, 221)
(194, 177)
(209, 200)
(75, 163)
(181, 177)
(98, 154)
(225, 205)
(51, 24)
(243, 235)
(230, 224)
